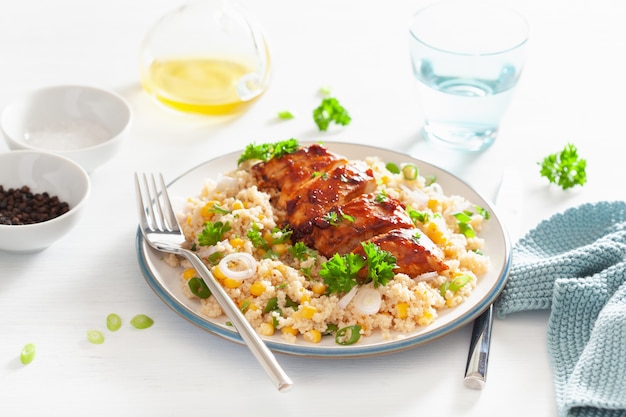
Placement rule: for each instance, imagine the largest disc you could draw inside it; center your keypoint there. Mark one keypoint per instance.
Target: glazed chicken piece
(329, 204)
(344, 227)
(314, 198)
(415, 253)
(282, 177)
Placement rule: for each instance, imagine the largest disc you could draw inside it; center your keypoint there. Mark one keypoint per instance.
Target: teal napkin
(575, 265)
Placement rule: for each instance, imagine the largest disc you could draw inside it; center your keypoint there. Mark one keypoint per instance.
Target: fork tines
(157, 213)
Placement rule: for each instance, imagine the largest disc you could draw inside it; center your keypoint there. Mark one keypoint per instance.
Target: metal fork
(160, 229)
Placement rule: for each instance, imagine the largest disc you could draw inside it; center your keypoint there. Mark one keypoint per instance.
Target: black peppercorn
(19, 206)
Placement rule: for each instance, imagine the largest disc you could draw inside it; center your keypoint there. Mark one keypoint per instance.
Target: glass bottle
(207, 57)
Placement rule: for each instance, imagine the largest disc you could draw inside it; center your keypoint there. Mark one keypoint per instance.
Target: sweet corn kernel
(218, 274)
(384, 180)
(307, 311)
(189, 273)
(236, 242)
(312, 336)
(268, 237)
(266, 329)
(237, 205)
(434, 205)
(318, 288)
(425, 319)
(305, 298)
(257, 288)
(231, 283)
(289, 330)
(206, 212)
(435, 233)
(280, 248)
(402, 310)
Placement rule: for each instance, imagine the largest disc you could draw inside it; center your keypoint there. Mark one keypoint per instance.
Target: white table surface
(572, 90)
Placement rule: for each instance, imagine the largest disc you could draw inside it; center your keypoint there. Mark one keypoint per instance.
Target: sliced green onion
(272, 305)
(410, 171)
(467, 229)
(325, 90)
(198, 287)
(27, 354)
(454, 285)
(141, 321)
(483, 212)
(285, 115)
(348, 335)
(95, 336)
(430, 180)
(330, 329)
(462, 217)
(114, 322)
(459, 282)
(393, 168)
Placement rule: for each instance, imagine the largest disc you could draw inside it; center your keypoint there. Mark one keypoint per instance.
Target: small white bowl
(42, 172)
(85, 124)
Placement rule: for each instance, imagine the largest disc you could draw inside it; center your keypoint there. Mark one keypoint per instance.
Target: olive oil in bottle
(207, 57)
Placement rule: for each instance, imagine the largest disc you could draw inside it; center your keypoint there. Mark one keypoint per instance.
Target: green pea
(95, 336)
(114, 322)
(141, 321)
(27, 354)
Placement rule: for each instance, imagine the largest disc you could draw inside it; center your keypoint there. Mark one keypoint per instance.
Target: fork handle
(254, 342)
(478, 357)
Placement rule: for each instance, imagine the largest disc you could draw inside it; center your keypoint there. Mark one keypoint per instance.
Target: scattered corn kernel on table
(570, 92)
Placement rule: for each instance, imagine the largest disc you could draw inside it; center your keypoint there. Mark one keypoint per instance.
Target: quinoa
(286, 295)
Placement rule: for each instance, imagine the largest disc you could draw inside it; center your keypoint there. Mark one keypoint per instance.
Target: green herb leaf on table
(330, 111)
(565, 169)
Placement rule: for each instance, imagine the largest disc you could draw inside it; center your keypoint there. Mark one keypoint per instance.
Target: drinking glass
(467, 57)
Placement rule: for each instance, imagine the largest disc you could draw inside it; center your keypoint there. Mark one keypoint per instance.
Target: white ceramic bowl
(85, 124)
(42, 172)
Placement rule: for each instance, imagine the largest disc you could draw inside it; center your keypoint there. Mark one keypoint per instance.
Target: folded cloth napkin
(575, 264)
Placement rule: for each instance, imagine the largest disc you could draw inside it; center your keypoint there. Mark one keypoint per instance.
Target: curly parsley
(565, 169)
(213, 233)
(340, 272)
(267, 151)
(330, 111)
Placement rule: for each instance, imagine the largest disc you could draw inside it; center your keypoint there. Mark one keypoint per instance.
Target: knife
(508, 202)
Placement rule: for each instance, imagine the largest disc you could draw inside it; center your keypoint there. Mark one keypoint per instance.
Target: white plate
(165, 281)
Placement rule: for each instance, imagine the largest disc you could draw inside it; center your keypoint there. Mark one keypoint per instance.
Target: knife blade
(508, 202)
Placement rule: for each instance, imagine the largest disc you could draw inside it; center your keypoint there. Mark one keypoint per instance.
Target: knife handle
(478, 357)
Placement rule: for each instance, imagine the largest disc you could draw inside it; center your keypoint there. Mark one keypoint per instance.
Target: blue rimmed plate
(165, 281)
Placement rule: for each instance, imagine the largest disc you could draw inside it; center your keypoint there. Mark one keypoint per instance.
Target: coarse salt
(65, 136)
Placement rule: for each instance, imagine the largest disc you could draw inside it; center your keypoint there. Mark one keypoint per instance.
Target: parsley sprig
(213, 233)
(565, 169)
(340, 272)
(267, 151)
(330, 111)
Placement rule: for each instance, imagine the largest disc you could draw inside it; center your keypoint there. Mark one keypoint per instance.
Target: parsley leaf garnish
(213, 233)
(267, 151)
(565, 169)
(330, 111)
(340, 272)
(380, 264)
